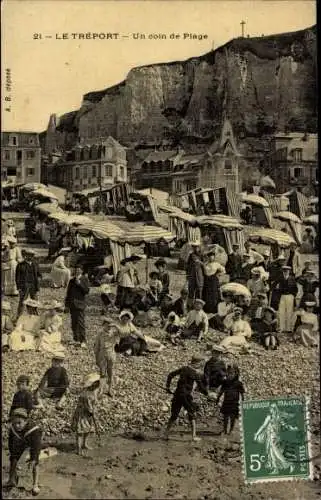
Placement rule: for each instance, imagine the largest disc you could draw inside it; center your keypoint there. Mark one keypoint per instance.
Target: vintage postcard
(160, 249)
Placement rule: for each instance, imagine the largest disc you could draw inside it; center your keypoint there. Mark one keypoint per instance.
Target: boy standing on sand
(183, 398)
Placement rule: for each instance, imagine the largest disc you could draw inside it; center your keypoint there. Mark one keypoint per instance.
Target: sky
(43, 75)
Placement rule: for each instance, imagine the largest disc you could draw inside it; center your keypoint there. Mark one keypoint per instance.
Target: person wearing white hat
(10, 230)
(27, 278)
(13, 257)
(240, 331)
(196, 324)
(27, 329)
(132, 341)
(84, 417)
(288, 290)
(50, 336)
(307, 325)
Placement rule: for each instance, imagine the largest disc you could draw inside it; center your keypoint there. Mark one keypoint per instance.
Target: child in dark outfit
(24, 434)
(163, 276)
(23, 398)
(232, 389)
(183, 398)
(54, 383)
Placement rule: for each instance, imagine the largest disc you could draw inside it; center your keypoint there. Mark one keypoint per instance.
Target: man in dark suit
(75, 301)
(27, 278)
(234, 263)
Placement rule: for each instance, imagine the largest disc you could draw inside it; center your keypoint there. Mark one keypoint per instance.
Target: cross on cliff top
(242, 23)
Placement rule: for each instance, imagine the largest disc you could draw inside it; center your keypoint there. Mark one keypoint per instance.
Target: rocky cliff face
(263, 84)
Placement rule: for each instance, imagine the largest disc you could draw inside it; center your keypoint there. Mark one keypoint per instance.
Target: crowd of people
(253, 299)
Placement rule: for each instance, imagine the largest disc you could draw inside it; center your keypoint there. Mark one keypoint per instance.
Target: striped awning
(180, 214)
(102, 230)
(70, 219)
(269, 236)
(225, 221)
(147, 234)
(48, 208)
(287, 216)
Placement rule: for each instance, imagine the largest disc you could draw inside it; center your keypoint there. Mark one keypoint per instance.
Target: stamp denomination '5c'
(275, 440)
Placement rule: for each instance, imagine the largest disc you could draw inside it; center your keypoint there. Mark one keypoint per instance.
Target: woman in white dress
(13, 257)
(308, 328)
(26, 332)
(240, 331)
(60, 273)
(50, 336)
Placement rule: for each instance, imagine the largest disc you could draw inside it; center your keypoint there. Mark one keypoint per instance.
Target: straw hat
(281, 256)
(59, 356)
(195, 243)
(5, 306)
(266, 253)
(10, 222)
(238, 310)
(54, 304)
(256, 270)
(91, 379)
(126, 313)
(286, 268)
(32, 303)
(29, 251)
(20, 412)
(65, 250)
(310, 304)
(199, 301)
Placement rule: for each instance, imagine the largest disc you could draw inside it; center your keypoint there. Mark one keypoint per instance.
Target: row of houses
(290, 159)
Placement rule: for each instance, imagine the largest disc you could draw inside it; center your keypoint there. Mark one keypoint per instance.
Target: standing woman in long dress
(211, 290)
(288, 290)
(10, 230)
(13, 257)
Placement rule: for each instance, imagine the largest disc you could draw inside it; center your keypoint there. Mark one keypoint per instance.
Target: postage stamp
(275, 436)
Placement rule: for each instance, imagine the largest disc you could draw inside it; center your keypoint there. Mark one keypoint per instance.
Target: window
(108, 170)
(228, 165)
(297, 154)
(85, 172)
(297, 172)
(94, 171)
(14, 141)
(122, 172)
(30, 155)
(77, 176)
(7, 155)
(31, 141)
(30, 172)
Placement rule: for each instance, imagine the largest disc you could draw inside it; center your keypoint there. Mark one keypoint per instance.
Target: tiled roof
(160, 156)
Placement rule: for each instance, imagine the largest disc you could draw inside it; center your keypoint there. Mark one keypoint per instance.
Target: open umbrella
(102, 230)
(45, 193)
(235, 289)
(269, 236)
(313, 220)
(287, 217)
(70, 219)
(33, 186)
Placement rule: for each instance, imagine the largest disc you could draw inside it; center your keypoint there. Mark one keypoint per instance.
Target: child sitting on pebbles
(54, 383)
(23, 398)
